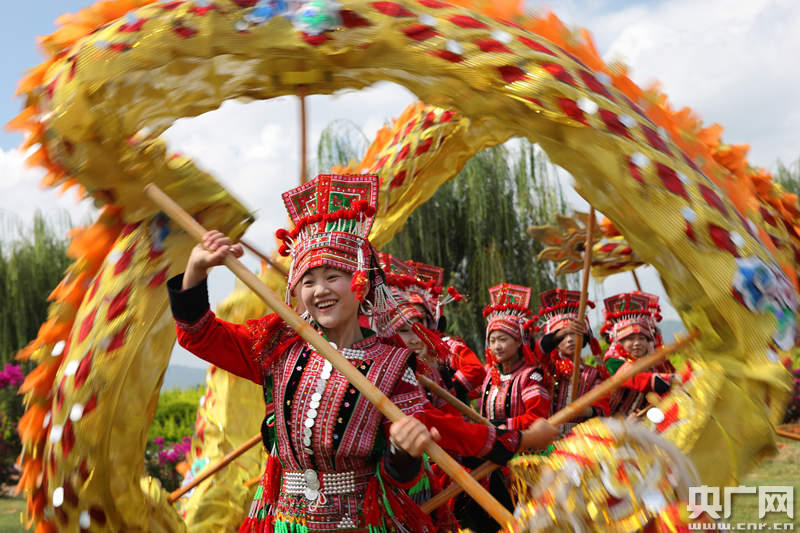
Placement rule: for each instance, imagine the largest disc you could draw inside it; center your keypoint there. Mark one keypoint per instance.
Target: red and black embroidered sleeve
(535, 401)
(237, 348)
(470, 372)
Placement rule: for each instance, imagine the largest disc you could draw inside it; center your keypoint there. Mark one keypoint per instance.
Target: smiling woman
(721, 234)
(327, 296)
(326, 432)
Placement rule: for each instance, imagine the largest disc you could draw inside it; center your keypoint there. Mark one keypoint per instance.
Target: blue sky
(23, 21)
(732, 61)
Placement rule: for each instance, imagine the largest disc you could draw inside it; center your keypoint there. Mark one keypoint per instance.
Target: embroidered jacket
(518, 400)
(468, 372)
(631, 397)
(330, 439)
(560, 377)
(456, 367)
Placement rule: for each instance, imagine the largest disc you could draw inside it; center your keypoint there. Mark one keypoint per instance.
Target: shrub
(169, 439)
(11, 410)
(162, 458)
(176, 413)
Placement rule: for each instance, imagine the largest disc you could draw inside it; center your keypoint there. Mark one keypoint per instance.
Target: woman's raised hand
(210, 252)
(573, 328)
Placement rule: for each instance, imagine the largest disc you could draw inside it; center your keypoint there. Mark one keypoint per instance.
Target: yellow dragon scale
(98, 104)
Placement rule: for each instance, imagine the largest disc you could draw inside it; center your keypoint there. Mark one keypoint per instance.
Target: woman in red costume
(631, 326)
(512, 395)
(418, 291)
(555, 351)
(337, 465)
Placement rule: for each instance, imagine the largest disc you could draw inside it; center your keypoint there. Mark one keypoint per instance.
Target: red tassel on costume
(457, 296)
(594, 345)
(360, 285)
(527, 354)
(272, 479)
(491, 360)
(247, 525)
(408, 512)
(372, 507)
(432, 340)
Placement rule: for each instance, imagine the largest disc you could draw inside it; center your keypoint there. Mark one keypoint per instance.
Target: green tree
(475, 228)
(32, 262)
(789, 176)
(339, 143)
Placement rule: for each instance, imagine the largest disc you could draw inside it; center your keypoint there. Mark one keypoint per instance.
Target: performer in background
(420, 297)
(337, 463)
(513, 394)
(632, 330)
(556, 348)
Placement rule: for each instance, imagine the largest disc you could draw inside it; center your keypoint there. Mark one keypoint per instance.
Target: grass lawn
(9, 515)
(780, 470)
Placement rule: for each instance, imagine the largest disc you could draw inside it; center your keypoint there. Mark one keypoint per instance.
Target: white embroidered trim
(409, 377)
(353, 353)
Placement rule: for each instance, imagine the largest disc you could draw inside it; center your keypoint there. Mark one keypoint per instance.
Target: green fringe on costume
(289, 527)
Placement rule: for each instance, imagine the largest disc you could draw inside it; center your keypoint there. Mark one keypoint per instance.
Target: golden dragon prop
(723, 236)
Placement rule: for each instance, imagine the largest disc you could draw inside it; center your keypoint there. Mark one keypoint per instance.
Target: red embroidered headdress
(400, 278)
(559, 308)
(413, 283)
(632, 312)
(332, 218)
(509, 310)
(434, 295)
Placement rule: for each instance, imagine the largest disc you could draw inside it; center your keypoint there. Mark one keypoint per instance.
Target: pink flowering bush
(10, 412)
(161, 458)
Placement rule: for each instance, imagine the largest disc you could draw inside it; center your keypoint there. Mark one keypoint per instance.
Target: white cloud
(731, 62)
(21, 195)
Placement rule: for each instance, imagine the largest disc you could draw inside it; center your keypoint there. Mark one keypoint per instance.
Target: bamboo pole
(445, 395)
(303, 137)
(587, 267)
(264, 257)
(253, 481)
(573, 410)
(788, 434)
(325, 349)
(636, 280)
(213, 469)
